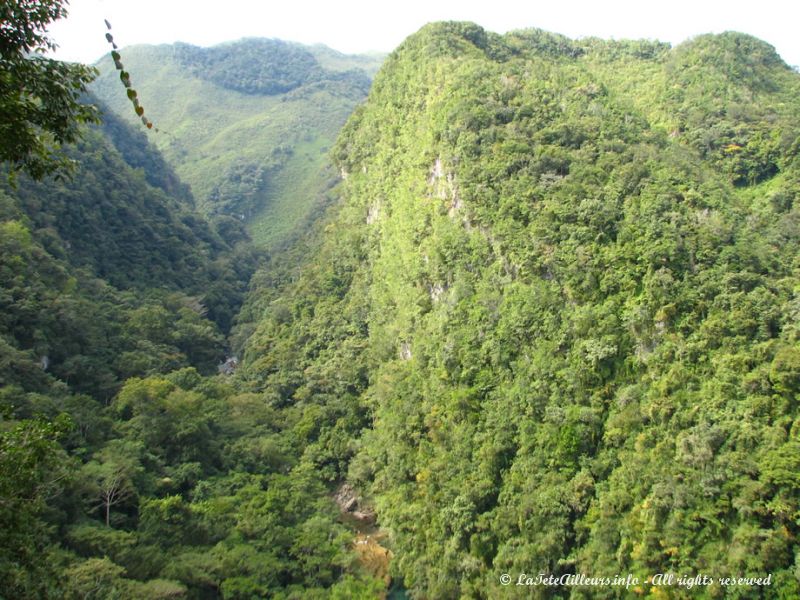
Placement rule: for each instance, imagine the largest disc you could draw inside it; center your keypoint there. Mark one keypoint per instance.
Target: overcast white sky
(353, 26)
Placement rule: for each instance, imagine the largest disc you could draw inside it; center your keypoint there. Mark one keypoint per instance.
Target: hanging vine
(125, 78)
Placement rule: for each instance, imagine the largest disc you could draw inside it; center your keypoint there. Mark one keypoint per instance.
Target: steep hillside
(119, 235)
(129, 468)
(107, 275)
(248, 124)
(552, 325)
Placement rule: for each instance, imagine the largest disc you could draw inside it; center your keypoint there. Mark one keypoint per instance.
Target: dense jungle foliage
(547, 324)
(126, 471)
(561, 294)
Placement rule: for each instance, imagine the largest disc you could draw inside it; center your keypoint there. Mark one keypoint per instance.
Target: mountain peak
(742, 58)
(454, 38)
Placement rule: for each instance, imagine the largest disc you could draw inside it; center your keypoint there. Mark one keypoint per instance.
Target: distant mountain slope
(247, 124)
(552, 326)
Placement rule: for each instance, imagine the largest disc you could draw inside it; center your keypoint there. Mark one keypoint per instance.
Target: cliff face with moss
(556, 309)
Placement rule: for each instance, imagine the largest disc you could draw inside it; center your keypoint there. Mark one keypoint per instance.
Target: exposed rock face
(229, 366)
(372, 555)
(374, 212)
(346, 498)
(349, 502)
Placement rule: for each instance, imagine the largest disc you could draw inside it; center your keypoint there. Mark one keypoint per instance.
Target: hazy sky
(353, 26)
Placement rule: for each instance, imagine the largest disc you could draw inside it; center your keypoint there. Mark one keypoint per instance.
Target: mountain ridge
(257, 155)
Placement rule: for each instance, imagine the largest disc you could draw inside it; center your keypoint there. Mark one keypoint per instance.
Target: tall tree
(40, 98)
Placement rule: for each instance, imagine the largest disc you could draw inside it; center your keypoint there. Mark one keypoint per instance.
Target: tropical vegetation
(543, 321)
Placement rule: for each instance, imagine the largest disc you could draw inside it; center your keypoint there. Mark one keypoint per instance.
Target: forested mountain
(124, 222)
(248, 124)
(547, 324)
(107, 274)
(553, 324)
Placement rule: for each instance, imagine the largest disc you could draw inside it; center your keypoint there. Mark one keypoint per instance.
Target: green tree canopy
(40, 98)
